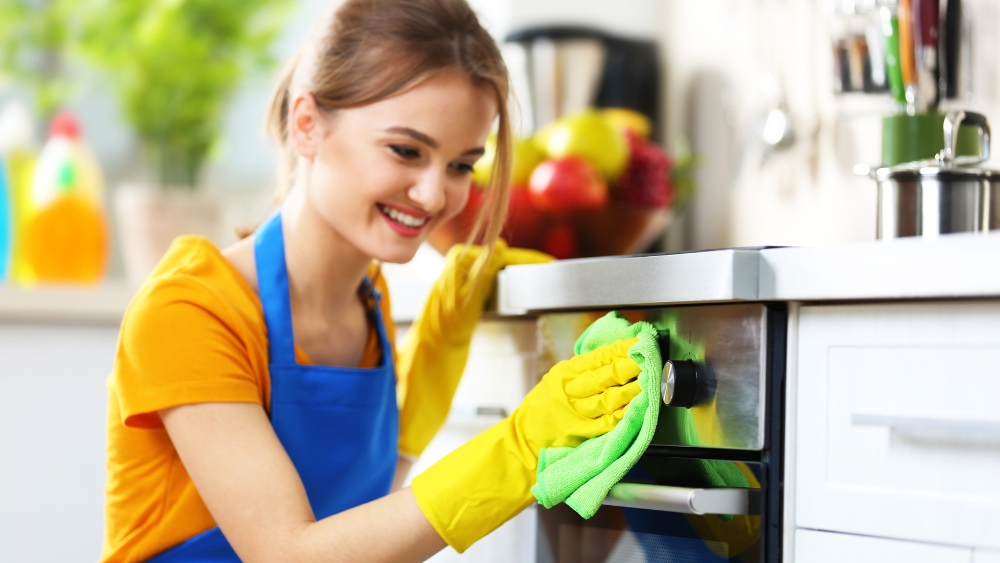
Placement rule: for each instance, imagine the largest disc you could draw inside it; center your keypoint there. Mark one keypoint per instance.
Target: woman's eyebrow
(422, 137)
(429, 141)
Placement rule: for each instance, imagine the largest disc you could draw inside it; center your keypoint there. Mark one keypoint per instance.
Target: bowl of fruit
(588, 184)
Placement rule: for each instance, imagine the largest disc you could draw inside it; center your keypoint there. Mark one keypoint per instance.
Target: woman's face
(385, 175)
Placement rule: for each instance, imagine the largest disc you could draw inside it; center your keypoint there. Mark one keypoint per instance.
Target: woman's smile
(405, 221)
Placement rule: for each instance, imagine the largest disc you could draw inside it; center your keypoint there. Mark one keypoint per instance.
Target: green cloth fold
(582, 476)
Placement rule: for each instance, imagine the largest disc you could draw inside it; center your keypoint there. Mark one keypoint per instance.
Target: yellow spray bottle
(19, 153)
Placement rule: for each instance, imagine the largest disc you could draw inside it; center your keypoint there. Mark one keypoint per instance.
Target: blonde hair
(370, 50)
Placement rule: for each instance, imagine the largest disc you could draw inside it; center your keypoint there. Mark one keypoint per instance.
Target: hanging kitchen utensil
(907, 61)
(893, 65)
(926, 17)
(950, 48)
(777, 130)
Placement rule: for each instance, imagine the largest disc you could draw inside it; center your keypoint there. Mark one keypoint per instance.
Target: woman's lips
(406, 223)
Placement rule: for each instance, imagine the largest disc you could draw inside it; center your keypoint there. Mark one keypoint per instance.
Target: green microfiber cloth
(582, 476)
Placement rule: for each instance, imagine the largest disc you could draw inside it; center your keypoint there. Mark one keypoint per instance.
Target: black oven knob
(679, 384)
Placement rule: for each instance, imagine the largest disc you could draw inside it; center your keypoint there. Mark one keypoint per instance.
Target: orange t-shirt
(194, 333)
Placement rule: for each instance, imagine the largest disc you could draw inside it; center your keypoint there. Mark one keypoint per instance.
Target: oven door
(708, 487)
(667, 509)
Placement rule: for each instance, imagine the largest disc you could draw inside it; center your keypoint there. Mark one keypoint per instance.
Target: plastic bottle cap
(66, 125)
(16, 128)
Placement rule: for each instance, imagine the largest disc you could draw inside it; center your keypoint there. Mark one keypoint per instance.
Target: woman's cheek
(457, 198)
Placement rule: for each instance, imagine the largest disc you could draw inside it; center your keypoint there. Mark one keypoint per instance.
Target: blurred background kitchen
(124, 123)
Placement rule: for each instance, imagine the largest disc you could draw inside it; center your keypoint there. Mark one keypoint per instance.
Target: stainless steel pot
(944, 195)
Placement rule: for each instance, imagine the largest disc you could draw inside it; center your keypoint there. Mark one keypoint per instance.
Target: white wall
(717, 54)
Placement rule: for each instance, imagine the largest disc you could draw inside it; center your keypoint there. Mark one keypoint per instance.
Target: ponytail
(276, 127)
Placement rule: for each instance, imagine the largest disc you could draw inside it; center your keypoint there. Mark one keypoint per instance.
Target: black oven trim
(773, 454)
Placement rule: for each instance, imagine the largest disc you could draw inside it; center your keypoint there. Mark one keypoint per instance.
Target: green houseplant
(173, 65)
(34, 37)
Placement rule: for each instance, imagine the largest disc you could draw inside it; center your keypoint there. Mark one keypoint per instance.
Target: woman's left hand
(436, 348)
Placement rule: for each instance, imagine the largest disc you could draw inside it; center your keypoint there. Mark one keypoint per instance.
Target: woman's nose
(430, 191)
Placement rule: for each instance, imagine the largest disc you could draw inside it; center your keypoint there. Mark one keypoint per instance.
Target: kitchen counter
(965, 266)
(102, 304)
(105, 304)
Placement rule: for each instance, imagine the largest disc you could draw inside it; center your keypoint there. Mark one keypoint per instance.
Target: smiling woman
(253, 410)
(363, 56)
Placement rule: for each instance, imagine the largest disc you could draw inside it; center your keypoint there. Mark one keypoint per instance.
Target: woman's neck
(324, 269)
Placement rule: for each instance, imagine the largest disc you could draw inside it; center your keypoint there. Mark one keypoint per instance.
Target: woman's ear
(306, 125)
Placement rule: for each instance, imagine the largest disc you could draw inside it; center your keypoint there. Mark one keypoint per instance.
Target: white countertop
(102, 304)
(105, 304)
(964, 266)
(954, 266)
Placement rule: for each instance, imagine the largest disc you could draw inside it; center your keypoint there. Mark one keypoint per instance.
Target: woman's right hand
(579, 398)
(488, 480)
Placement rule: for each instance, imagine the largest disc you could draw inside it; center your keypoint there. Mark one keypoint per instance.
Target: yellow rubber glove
(487, 481)
(436, 347)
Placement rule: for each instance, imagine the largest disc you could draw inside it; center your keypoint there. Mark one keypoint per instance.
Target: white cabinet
(53, 405)
(898, 421)
(825, 547)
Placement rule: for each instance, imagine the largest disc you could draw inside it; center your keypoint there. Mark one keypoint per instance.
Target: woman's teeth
(403, 218)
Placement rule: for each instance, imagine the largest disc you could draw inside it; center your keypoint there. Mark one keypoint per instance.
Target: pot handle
(952, 122)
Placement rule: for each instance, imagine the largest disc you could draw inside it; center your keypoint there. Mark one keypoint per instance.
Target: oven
(709, 487)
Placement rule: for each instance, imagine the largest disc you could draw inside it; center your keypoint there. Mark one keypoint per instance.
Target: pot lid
(931, 169)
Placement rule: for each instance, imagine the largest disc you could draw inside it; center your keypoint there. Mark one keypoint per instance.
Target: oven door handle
(684, 500)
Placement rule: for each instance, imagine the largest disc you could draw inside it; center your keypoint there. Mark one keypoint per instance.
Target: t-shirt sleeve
(180, 345)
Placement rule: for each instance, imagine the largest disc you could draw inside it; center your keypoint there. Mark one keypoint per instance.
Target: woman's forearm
(403, 466)
(253, 491)
(390, 529)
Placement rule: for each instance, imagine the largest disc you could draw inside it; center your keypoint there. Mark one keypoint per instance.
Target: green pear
(589, 135)
(482, 170)
(526, 158)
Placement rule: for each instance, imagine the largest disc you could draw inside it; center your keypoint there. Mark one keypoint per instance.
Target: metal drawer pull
(942, 428)
(684, 500)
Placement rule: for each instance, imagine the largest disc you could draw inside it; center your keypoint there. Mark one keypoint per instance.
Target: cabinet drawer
(899, 421)
(824, 547)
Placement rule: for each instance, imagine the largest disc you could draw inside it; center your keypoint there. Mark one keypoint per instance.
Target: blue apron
(339, 425)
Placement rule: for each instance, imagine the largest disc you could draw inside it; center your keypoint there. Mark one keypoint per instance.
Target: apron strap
(272, 285)
(383, 335)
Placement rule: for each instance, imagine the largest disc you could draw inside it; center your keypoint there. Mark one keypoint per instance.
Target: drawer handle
(684, 500)
(932, 427)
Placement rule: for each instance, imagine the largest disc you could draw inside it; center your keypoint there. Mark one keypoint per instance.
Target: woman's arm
(403, 467)
(253, 491)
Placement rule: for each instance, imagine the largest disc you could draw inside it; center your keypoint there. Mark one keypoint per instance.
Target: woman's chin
(401, 254)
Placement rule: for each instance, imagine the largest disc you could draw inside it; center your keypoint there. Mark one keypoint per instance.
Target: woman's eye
(405, 152)
(463, 167)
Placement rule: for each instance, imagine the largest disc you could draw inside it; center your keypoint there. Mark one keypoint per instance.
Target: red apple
(524, 223)
(560, 241)
(567, 184)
